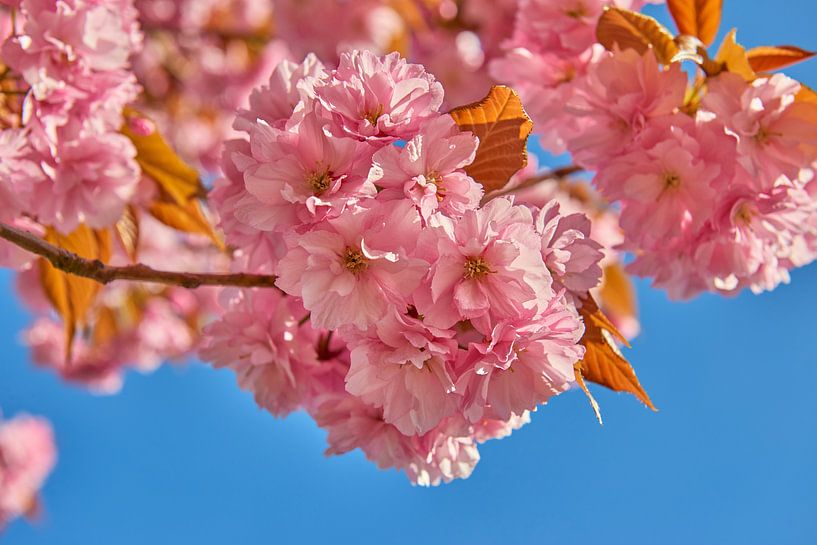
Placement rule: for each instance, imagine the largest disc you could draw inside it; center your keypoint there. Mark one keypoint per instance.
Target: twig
(98, 271)
(556, 174)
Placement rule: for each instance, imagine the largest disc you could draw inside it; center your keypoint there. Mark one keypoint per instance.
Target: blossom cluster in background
(714, 178)
(27, 455)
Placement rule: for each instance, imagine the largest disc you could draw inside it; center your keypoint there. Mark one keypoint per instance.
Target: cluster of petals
(72, 56)
(412, 321)
(713, 196)
(548, 57)
(717, 200)
(27, 456)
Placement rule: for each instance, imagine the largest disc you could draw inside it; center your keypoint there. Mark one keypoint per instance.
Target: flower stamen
(354, 260)
(373, 115)
(319, 181)
(476, 267)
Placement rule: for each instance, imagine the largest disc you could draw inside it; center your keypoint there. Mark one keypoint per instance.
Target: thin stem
(98, 271)
(556, 174)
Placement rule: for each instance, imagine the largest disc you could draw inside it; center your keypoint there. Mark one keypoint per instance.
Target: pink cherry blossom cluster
(715, 195)
(413, 321)
(64, 162)
(720, 200)
(67, 163)
(27, 455)
(547, 58)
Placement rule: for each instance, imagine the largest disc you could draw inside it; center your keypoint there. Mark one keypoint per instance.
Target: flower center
(354, 260)
(744, 214)
(319, 181)
(577, 12)
(373, 115)
(476, 267)
(435, 178)
(671, 180)
(763, 136)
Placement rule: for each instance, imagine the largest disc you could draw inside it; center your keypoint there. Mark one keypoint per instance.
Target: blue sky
(182, 456)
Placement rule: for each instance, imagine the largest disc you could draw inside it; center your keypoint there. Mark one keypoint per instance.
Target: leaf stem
(98, 271)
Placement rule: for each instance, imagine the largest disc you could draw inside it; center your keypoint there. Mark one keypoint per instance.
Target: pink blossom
(254, 250)
(27, 456)
(352, 424)
(755, 235)
(74, 55)
(89, 180)
(379, 98)
(570, 255)
(260, 337)
(99, 369)
(352, 269)
(447, 453)
(487, 264)
(668, 185)
(404, 367)
(775, 134)
(299, 175)
(428, 170)
(487, 429)
(275, 102)
(521, 364)
(617, 99)
(560, 26)
(19, 170)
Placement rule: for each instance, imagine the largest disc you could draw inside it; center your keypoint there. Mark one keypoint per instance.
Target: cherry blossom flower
(275, 102)
(352, 269)
(521, 364)
(27, 456)
(428, 170)
(571, 256)
(487, 264)
(775, 134)
(89, 180)
(259, 336)
(622, 92)
(404, 367)
(300, 174)
(667, 186)
(379, 98)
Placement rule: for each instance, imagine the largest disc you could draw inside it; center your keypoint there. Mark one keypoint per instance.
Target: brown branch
(556, 174)
(100, 272)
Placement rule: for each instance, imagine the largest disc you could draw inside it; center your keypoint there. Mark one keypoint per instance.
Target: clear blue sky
(182, 456)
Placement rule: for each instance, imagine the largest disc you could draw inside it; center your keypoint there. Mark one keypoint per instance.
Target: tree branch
(556, 174)
(95, 269)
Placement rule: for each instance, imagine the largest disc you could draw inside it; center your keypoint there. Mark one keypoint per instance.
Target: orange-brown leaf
(127, 231)
(603, 362)
(768, 58)
(631, 30)
(73, 296)
(593, 403)
(617, 293)
(700, 18)
(159, 162)
(733, 57)
(187, 218)
(500, 122)
(807, 95)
